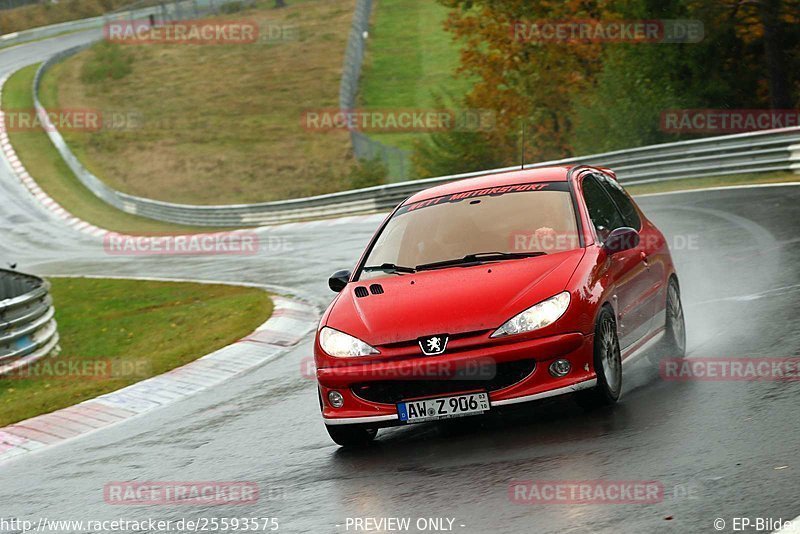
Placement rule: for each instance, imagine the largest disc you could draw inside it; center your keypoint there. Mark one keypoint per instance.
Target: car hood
(450, 301)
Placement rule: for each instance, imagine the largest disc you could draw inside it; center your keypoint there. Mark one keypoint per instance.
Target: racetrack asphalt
(721, 449)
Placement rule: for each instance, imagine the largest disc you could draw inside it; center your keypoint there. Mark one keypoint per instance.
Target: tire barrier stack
(28, 329)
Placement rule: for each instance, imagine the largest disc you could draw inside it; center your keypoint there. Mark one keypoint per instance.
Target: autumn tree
(527, 83)
(591, 96)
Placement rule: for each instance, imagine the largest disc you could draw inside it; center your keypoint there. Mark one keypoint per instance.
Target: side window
(603, 212)
(623, 202)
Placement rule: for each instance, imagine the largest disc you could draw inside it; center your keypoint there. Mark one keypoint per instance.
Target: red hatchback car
(494, 291)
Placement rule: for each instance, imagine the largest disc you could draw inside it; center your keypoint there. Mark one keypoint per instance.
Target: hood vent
(361, 291)
(376, 289)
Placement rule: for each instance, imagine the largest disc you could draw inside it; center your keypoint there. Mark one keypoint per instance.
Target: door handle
(644, 259)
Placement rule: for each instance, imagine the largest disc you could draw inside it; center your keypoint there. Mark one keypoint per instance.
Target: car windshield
(520, 220)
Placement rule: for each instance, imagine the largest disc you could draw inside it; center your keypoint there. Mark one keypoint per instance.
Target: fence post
(364, 148)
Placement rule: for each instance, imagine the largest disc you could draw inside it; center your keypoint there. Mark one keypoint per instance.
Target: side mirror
(621, 239)
(339, 280)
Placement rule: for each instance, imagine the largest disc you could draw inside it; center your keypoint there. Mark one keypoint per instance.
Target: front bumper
(539, 384)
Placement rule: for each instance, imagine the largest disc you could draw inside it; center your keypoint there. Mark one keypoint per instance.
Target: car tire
(351, 436)
(675, 336)
(607, 364)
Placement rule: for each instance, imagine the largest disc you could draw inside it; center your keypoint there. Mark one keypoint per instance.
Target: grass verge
(410, 61)
(713, 181)
(45, 164)
(217, 123)
(141, 328)
(47, 13)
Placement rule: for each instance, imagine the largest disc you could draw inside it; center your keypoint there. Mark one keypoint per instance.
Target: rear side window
(602, 210)
(623, 202)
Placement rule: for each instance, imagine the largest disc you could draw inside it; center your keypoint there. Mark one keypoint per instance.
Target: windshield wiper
(478, 258)
(390, 268)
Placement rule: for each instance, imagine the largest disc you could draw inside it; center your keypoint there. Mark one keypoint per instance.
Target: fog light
(560, 368)
(336, 399)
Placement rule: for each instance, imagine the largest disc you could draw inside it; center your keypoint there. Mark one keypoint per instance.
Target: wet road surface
(720, 449)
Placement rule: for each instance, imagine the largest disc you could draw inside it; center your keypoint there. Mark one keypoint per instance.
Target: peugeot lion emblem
(433, 345)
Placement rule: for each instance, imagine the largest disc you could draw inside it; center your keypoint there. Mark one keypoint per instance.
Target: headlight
(543, 314)
(340, 344)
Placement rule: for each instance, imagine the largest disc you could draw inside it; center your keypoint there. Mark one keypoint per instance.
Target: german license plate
(419, 411)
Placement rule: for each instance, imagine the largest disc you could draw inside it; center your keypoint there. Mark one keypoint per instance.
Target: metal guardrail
(763, 151)
(33, 34)
(164, 10)
(52, 30)
(755, 152)
(28, 329)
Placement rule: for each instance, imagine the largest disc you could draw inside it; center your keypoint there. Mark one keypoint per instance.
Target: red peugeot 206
(494, 291)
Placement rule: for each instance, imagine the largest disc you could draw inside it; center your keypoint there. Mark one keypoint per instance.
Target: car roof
(541, 174)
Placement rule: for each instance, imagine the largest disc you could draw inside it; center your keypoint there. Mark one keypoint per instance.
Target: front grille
(467, 340)
(394, 391)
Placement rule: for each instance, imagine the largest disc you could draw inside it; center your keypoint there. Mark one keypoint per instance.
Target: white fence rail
(163, 10)
(52, 30)
(24, 36)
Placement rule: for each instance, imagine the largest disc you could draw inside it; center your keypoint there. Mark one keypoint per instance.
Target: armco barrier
(27, 327)
(34, 34)
(164, 10)
(755, 152)
(764, 151)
